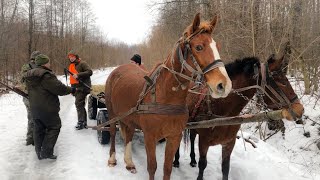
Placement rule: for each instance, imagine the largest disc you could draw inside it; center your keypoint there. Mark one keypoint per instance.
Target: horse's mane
(154, 68)
(205, 26)
(245, 65)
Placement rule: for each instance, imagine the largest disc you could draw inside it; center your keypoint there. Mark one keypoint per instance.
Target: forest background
(245, 28)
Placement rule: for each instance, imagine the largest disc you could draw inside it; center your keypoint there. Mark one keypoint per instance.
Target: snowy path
(81, 157)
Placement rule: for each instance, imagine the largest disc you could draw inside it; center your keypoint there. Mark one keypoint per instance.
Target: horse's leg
(176, 163)
(127, 134)
(226, 153)
(150, 145)
(112, 153)
(193, 135)
(203, 150)
(171, 147)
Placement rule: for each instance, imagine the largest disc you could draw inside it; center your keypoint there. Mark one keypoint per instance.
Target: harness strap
(208, 101)
(164, 109)
(264, 73)
(150, 85)
(197, 105)
(176, 73)
(184, 63)
(215, 64)
(115, 119)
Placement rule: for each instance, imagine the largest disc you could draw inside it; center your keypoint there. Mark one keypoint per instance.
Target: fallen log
(273, 115)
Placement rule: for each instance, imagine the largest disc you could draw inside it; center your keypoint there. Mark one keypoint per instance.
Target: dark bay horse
(243, 73)
(157, 104)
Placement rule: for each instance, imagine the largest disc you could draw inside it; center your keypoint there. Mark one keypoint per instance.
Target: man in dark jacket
(43, 90)
(136, 59)
(81, 72)
(24, 69)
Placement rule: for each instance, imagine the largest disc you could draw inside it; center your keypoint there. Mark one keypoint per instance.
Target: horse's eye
(199, 47)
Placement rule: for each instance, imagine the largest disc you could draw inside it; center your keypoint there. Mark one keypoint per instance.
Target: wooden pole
(274, 115)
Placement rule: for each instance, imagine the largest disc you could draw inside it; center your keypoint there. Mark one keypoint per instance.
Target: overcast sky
(129, 21)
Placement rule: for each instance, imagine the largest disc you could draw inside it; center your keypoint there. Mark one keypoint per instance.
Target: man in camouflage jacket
(43, 90)
(24, 69)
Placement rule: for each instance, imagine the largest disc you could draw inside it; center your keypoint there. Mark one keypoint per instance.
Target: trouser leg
(51, 136)
(39, 134)
(29, 137)
(80, 105)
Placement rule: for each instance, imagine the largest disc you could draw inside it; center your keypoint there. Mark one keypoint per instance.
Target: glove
(73, 90)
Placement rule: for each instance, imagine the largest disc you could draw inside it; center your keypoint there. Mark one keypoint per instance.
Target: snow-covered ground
(80, 156)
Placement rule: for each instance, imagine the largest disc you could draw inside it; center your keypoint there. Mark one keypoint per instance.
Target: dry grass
(96, 89)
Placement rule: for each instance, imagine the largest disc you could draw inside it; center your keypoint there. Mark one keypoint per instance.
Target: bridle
(197, 73)
(272, 86)
(267, 82)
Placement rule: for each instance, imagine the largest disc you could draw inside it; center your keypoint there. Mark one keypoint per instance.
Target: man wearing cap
(81, 72)
(136, 59)
(43, 90)
(25, 68)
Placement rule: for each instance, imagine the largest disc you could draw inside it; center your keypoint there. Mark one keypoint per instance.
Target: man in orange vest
(81, 71)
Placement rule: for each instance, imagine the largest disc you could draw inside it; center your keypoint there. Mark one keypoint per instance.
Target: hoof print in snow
(307, 134)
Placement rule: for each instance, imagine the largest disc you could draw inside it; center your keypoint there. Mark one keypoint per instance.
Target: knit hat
(74, 53)
(41, 60)
(136, 58)
(34, 54)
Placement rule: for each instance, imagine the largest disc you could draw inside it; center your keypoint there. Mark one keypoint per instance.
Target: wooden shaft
(274, 115)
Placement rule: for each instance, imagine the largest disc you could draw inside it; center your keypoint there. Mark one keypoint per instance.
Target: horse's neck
(167, 81)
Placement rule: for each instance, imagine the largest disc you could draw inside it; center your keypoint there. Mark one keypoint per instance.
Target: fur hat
(34, 54)
(136, 58)
(41, 60)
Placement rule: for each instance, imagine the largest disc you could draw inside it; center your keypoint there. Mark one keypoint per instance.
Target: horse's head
(280, 89)
(202, 56)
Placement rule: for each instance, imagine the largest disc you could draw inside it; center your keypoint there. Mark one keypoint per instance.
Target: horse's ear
(196, 23)
(271, 59)
(214, 22)
(282, 58)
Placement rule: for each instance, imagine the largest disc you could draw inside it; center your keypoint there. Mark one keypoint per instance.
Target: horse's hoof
(133, 170)
(200, 178)
(193, 164)
(112, 163)
(176, 164)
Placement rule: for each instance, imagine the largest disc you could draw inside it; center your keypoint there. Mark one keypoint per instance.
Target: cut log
(273, 115)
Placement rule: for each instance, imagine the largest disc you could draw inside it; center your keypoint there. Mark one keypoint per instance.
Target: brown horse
(243, 73)
(157, 103)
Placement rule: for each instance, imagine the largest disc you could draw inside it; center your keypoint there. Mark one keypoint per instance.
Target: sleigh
(97, 111)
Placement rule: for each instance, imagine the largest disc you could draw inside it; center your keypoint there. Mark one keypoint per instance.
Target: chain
(262, 105)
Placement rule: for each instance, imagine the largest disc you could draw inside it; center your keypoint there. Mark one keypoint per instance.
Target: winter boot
(29, 142)
(39, 156)
(80, 126)
(49, 157)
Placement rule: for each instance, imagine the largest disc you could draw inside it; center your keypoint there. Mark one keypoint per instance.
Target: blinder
(270, 84)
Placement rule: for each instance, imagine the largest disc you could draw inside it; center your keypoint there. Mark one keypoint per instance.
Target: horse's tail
(122, 132)
(186, 139)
